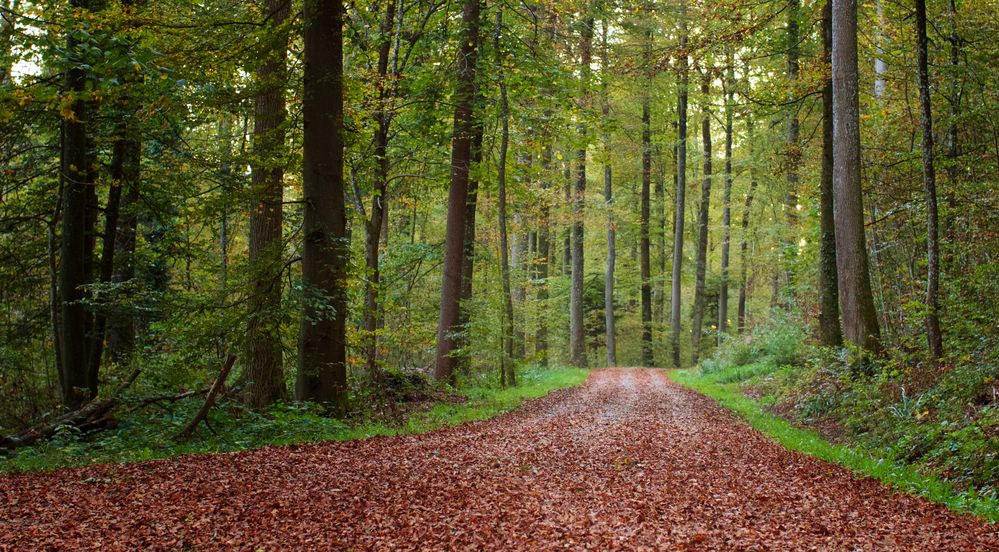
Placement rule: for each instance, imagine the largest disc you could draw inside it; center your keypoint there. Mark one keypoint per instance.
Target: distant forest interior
(226, 224)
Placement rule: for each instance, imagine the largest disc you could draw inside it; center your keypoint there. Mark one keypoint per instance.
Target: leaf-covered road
(629, 460)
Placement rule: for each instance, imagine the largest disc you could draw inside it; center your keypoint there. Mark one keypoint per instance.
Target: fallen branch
(95, 414)
(89, 416)
(186, 433)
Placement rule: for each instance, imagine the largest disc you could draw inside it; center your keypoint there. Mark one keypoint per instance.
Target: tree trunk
(880, 67)
(954, 94)
(76, 245)
(681, 189)
(830, 334)
(645, 263)
(746, 212)
(121, 325)
(860, 321)
(577, 330)
(377, 219)
(789, 251)
(726, 202)
(322, 372)
(507, 374)
(461, 157)
(609, 321)
(934, 336)
(702, 223)
(265, 359)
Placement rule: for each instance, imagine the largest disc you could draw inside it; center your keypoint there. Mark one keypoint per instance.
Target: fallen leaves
(627, 461)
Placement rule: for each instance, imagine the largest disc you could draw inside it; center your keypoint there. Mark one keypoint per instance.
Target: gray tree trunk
(703, 214)
(860, 321)
(681, 190)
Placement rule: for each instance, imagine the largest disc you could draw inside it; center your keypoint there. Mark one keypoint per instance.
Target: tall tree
(507, 374)
(609, 199)
(726, 200)
(829, 329)
(77, 237)
(681, 188)
(645, 270)
(934, 336)
(703, 214)
(577, 331)
(746, 213)
(377, 219)
(264, 365)
(793, 149)
(461, 158)
(860, 321)
(322, 371)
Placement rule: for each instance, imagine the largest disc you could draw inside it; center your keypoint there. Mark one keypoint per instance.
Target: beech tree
(322, 371)
(458, 195)
(860, 321)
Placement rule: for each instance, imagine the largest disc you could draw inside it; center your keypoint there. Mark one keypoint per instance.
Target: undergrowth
(928, 430)
(147, 434)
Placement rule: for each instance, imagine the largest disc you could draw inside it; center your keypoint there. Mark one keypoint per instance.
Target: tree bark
(76, 240)
(830, 334)
(934, 336)
(726, 202)
(746, 212)
(507, 374)
(645, 263)
(860, 321)
(702, 223)
(789, 251)
(322, 372)
(461, 157)
(577, 330)
(681, 189)
(609, 319)
(265, 359)
(377, 218)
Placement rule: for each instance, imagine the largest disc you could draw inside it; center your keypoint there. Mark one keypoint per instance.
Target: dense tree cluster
(334, 192)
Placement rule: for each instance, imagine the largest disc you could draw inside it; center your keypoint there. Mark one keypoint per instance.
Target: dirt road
(627, 461)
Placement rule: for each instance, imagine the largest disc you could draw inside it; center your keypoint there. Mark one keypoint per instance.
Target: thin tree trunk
(609, 199)
(265, 359)
(880, 67)
(645, 264)
(681, 189)
(322, 372)
(702, 223)
(746, 212)
(507, 374)
(955, 110)
(830, 334)
(793, 147)
(934, 336)
(860, 320)
(377, 221)
(461, 157)
(726, 202)
(577, 331)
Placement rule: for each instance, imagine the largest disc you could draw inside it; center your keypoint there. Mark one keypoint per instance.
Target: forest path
(629, 460)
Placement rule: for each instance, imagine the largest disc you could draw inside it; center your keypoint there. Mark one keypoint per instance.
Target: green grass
(146, 435)
(724, 386)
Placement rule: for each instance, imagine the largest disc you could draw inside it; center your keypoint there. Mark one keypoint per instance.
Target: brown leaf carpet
(628, 461)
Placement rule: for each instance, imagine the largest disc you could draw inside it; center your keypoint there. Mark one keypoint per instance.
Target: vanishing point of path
(627, 461)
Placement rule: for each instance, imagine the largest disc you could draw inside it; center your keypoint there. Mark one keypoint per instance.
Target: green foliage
(939, 422)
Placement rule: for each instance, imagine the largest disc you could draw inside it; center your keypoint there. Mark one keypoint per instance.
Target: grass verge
(146, 435)
(724, 387)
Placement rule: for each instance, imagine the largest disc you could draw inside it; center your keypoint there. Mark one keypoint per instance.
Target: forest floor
(628, 460)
